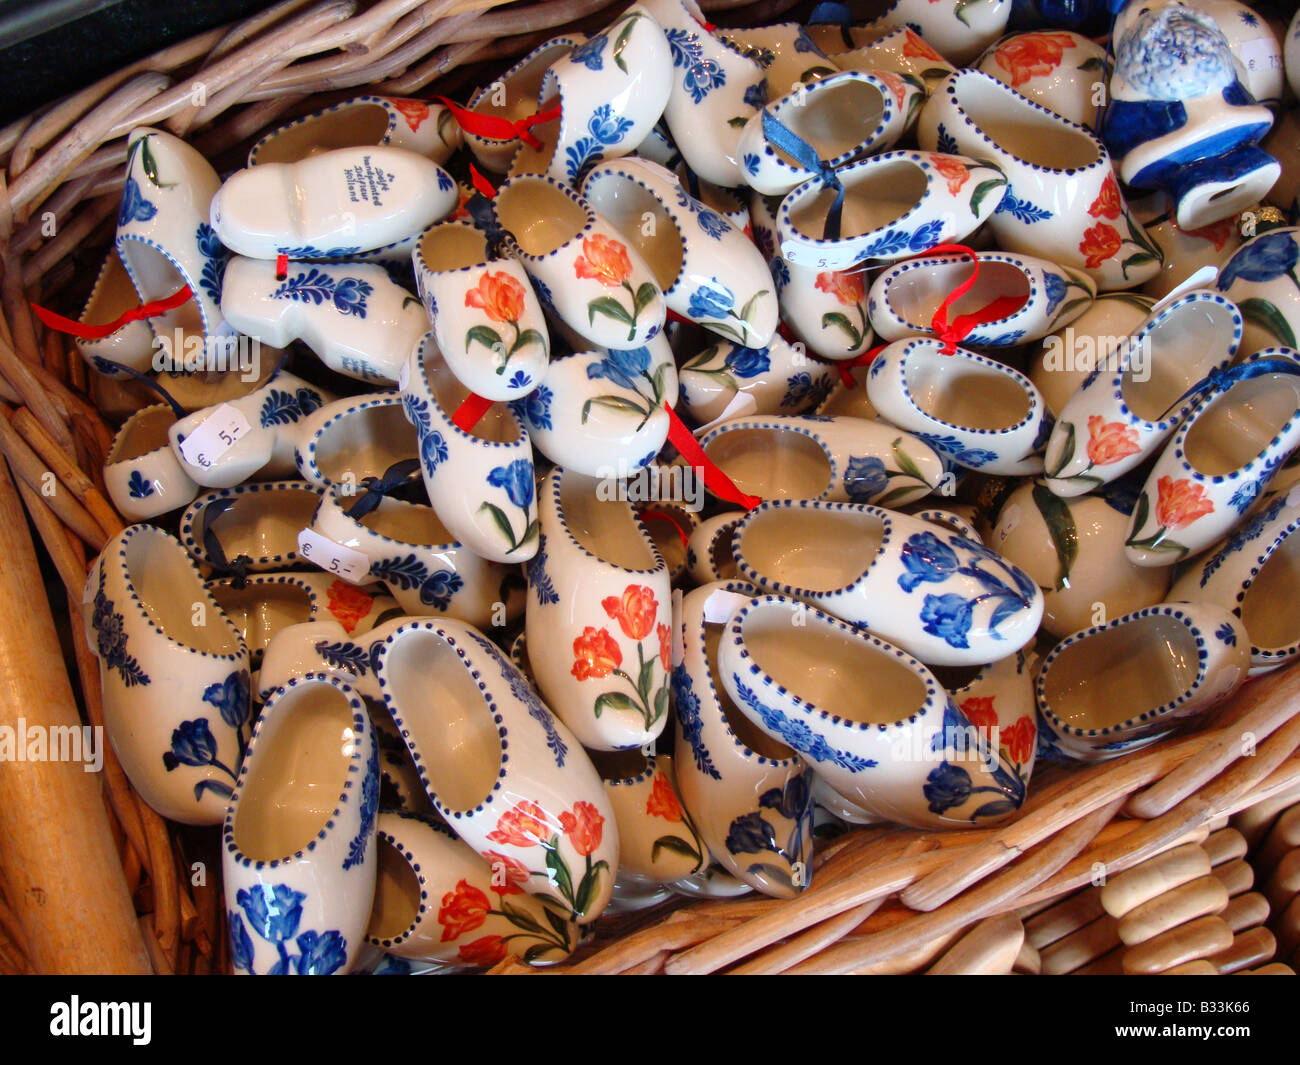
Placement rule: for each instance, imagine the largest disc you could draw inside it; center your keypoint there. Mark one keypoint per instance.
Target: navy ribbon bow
(1221, 380)
(376, 488)
(803, 153)
(832, 14)
(236, 568)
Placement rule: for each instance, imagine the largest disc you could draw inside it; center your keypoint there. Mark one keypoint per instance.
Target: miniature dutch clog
(331, 205)
(816, 457)
(486, 318)
(320, 647)
(901, 53)
(959, 29)
(750, 796)
(998, 699)
(163, 236)
(261, 605)
(540, 804)
(1253, 574)
(1062, 201)
(780, 378)
(353, 438)
(709, 271)
(174, 673)
(353, 315)
(788, 56)
(895, 205)
(670, 526)
(298, 850)
(708, 552)
(974, 410)
(1261, 278)
(141, 472)
(418, 126)
(581, 266)
(1221, 459)
(480, 481)
(131, 345)
(598, 614)
(945, 599)
(435, 899)
(870, 719)
(1142, 672)
(1055, 68)
(1074, 550)
(1185, 251)
(257, 524)
(1129, 407)
(826, 309)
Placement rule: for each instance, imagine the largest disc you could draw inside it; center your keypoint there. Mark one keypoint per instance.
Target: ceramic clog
(785, 51)
(826, 309)
(1055, 68)
(1074, 550)
(435, 899)
(163, 236)
(418, 126)
(261, 605)
(714, 84)
(480, 482)
(670, 526)
(581, 266)
(1131, 406)
(141, 472)
(132, 344)
(1038, 297)
(900, 53)
(298, 852)
(895, 205)
(1221, 459)
(975, 411)
(486, 318)
(331, 205)
(258, 523)
(195, 389)
(353, 438)
(504, 773)
(1185, 250)
(321, 647)
(174, 673)
(1062, 201)
(749, 795)
(708, 553)
(817, 457)
(959, 30)
(1262, 279)
(598, 615)
(353, 315)
(1141, 672)
(780, 378)
(828, 801)
(998, 699)
(945, 599)
(870, 719)
(709, 271)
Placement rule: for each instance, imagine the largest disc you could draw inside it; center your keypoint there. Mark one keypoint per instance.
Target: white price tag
(333, 557)
(679, 638)
(1260, 53)
(722, 605)
(214, 436)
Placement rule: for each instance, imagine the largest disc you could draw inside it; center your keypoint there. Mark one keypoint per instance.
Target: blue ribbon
(1221, 380)
(806, 156)
(236, 568)
(177, 409)
(832, 14)
(377, 487)
(484, 217)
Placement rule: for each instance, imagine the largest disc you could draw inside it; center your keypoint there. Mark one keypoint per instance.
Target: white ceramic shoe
(780, 378)
(353, 438)
(427, 129)
(143, 476)
(258, 523)
(1054, 68)
(131, 345)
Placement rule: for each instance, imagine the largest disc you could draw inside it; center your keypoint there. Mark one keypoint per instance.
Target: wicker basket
(94, 881)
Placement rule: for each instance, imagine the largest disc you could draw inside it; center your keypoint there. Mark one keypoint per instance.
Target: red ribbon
(715, 480)
(97, 332)
(281, 267)
(470, 412)
(494, 127)
(481, 184)
(647, 513)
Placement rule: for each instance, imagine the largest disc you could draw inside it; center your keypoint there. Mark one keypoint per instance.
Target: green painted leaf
(896, 495)
(558, 921)
(737, 122)
(959, 9)
(613, 700)
(645, 295)
(841, 321)
(1264, 314)
(1138, 258)
(1140, 512)
(489, 338)
(151, 165)
(700, 361)
(1093, 63)
(502, 522)
(982, 190)
(675, 844)
(610, 307)
(748, 309)
(661, 371)
(560, 875)
(521, 919)
(935, 73)
(1069, 305)
(528, 336)
(644, 678)
(1067, 451)
(906, 463)
(1061, 528)
(534, 952)
(408, 300)
(613, 402)
(661, 702)
(446, 121)
(620, 42)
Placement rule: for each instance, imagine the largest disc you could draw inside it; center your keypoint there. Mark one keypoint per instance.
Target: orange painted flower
(348, 603)
(488, 950)
(462, 910)
(663, 800)
(583, 826)
(635, 612)
(665, 646)
(1032, 55)
(414, 111)
(1217, 233)
(498, 295)
(916, 47)
(523, 825)
(897, 86)
(1107, 204)
(979, 708)
(1110, 441)
(846, 286)
(1099, 244)
(595, 654)
(508, 875)
(603, 260)
(1019, 739)
(1180, 503)
(953, 169)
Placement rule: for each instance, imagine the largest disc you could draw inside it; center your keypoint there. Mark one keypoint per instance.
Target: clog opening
(1115, 675)
(1268, 609)
(914, 295)
(446, 718)
(619, 765)
(1180, 351)
(155, 277)
(637, 214)
(853, 402)
(515, 96)
(809, 549)
(453, 247)
(357, 126)
(530, 160)
(964, 393)
(262, 608)
(144, 431)
(832, 670)
(296, 772)
(875, 197)
(1013, 124)
(724, 562)
(834, 118)
(163, 578)
(539, 215)
(113, 294)
(607, 529)
(497, 426)
(407, 523)
(1239, 424)
(713, 196)
(746, 732)
(955, 678)
(666, 525)
(206, 388)
(397, 893)
(773, 462)
(364, 442)
(259, 524)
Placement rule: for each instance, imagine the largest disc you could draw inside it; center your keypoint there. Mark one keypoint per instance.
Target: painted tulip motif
(525, 825)
(1107, 204)
(1178, 504)
(953, 170)
(597, 655)
(629, 369)
(1263, 259)
(605, 260)
(1032, 55)
(518, 482)
(714, 303)
(848, 288)
(1016, 742)
(663, 803)
(414, 111)
(348, 603)
(1102, 241)
(1108, 443)
(501, 298)
(1099, 243)
(465, 908)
